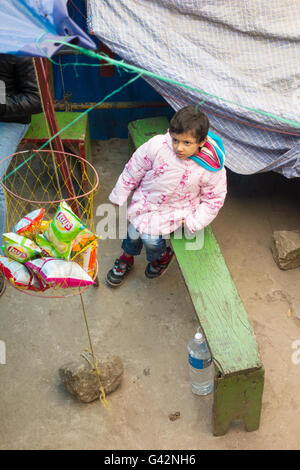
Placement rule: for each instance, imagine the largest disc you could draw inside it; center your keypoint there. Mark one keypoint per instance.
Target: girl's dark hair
(189, 119)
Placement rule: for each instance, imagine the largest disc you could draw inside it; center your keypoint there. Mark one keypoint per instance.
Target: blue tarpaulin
(34, 28)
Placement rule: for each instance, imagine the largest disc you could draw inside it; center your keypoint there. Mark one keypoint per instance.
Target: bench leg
(238, 397)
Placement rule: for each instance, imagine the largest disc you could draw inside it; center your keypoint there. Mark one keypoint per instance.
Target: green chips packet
(20, 248)
(63, 229)
(48, 250)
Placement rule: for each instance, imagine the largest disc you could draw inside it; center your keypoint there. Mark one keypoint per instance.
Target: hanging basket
(43, 179)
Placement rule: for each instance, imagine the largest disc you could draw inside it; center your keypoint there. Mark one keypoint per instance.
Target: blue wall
(85, 85)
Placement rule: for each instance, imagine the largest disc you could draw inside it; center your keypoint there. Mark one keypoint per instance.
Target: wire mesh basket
(43, 179)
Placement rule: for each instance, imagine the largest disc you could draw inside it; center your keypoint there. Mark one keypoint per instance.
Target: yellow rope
(95, 370)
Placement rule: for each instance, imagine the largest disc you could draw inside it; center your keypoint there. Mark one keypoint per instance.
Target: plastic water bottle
(202, 369)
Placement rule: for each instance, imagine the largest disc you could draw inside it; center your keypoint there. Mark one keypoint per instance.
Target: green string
(140, 72)
(73, 122)
(133, 68)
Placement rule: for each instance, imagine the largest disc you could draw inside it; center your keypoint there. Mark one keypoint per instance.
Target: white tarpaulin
(245, 56)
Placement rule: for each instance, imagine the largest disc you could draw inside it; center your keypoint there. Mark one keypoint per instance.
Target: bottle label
(199, 363)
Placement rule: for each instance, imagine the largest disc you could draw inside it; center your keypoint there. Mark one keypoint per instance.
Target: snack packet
(63, 229)
(20, 248)
(19, 275)
(83, 240)
(58, 272)
(44, 225)
(46, 247)
(87, 259)
(30, 225)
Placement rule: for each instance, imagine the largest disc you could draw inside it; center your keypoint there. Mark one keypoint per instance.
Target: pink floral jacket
(168, 190)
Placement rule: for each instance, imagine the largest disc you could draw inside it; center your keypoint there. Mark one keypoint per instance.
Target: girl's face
(185, 145)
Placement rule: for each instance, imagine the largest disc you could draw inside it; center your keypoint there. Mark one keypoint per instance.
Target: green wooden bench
(239, 376)
(75, 138)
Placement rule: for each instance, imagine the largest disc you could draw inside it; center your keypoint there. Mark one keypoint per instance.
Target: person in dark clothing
(21, 100)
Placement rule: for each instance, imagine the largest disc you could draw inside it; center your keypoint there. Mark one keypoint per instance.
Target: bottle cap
(198, 336)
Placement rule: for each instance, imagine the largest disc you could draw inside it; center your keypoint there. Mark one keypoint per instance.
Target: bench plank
(38, 129)
(143, 129)
(218, 305)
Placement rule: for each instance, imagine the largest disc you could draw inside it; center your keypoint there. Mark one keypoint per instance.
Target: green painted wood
(238, 397)
(142, 130)
(218, 305)
(38, 130)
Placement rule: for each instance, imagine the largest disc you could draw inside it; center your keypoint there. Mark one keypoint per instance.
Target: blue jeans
(11, 134)
(132, 245)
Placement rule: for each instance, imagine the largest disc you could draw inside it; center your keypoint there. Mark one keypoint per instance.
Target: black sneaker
(159, 267)
(2, 284)
(116, 275)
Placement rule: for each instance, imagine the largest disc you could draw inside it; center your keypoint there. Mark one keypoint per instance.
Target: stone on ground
(82, 382)
(286, 248)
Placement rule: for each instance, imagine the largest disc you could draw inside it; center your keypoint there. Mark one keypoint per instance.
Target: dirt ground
(148, 324)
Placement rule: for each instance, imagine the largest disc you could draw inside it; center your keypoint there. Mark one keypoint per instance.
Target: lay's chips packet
(87, 259)
(30, 224)
(83, 240)
(48, 250)
(19, 275)
(20, 248)
(44, 225)
(63, 229)
(58, 272)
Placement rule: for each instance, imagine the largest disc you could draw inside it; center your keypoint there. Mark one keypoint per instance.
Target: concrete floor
(149, 323)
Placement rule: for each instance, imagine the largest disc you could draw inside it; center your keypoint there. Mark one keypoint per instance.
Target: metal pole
(66, 105)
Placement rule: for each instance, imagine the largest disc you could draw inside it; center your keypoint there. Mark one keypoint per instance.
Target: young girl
(178, 178)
